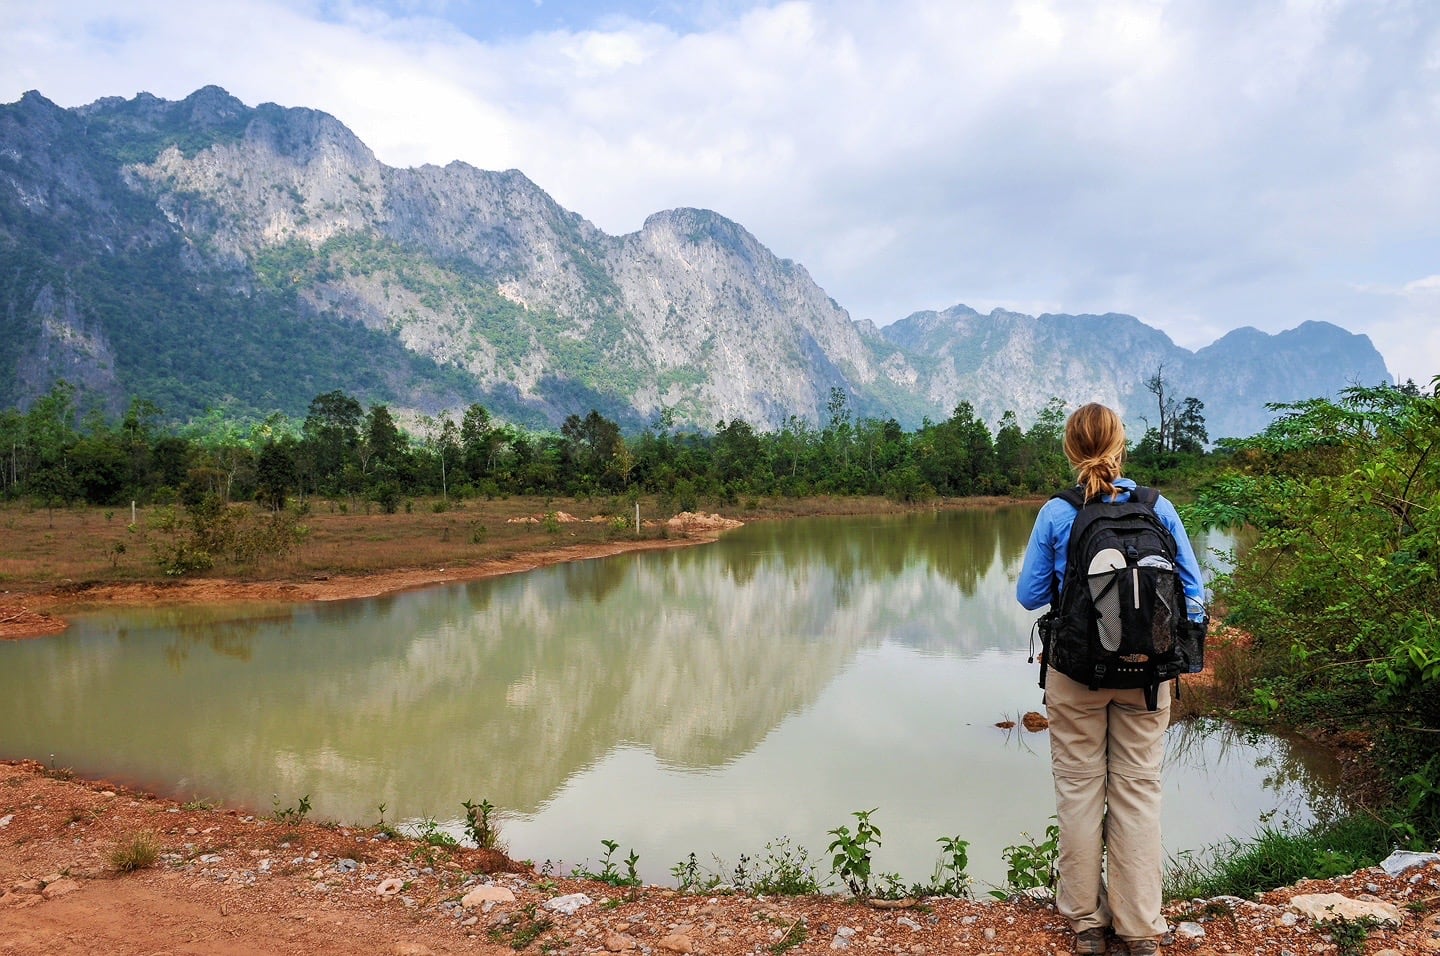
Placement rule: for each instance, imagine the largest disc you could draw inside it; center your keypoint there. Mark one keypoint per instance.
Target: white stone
(1402, 860)
(489, 893)
(1189, 930)
(1322, 907)
(568, 905)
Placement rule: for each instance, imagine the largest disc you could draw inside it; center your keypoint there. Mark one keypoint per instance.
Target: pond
(712, 700)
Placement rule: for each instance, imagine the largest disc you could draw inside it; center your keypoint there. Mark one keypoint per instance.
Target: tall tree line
(56, 455)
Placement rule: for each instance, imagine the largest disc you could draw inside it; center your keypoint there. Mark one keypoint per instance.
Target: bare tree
(1156, 386)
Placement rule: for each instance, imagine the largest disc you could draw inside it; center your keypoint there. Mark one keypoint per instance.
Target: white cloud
(1201, 165)
(1406, 327)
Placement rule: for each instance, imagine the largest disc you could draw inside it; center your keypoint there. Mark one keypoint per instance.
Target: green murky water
(708, 699)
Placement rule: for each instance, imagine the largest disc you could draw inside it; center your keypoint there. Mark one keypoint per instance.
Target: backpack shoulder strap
(1144, 495)
(1073, 495)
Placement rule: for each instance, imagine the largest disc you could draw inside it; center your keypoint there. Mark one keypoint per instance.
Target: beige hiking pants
(1105, 753)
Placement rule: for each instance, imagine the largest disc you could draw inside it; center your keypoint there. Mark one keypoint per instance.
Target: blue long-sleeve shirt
(1045, 553)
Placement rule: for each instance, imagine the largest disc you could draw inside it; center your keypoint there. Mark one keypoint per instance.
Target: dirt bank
(42, 613)
(229, 881)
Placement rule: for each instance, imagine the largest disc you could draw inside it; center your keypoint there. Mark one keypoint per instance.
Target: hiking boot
(1092, 942)
(1142, 947)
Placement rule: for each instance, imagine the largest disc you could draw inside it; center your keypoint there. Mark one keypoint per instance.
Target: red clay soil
(226, 881)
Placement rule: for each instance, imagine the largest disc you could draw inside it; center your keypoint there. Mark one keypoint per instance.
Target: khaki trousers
(1105, 753)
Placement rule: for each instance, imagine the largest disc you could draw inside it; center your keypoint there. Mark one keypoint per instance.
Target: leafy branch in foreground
(1338, 590)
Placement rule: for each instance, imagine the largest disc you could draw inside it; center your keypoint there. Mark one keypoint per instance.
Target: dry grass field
(56, 561)
(41, 549)
(44, 549)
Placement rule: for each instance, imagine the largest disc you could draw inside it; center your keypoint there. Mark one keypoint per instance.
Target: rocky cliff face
(202, 251)
(707, 302)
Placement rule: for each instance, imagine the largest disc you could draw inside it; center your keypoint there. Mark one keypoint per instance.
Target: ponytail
(1095, 446)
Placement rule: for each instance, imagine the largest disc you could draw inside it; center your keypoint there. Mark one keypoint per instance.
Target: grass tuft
(136, 852)
(1279, 858)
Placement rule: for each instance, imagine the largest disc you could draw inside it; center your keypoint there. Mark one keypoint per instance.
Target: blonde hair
(1095, 446)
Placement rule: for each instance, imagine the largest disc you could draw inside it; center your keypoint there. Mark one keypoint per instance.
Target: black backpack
(1118, 620)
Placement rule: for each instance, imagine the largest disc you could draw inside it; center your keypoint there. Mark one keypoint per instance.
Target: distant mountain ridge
(203, 253)
(1007, 360)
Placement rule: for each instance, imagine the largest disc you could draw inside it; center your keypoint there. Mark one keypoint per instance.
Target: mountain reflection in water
(706, 699)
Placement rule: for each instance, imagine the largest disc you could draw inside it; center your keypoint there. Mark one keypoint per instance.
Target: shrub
(136, 852)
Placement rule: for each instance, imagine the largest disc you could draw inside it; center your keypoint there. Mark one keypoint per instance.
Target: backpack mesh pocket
(1164, 616)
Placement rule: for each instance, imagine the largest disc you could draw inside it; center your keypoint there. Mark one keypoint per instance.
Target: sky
(1200, 165)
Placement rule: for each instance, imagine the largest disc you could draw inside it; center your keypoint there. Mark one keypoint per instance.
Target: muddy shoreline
(31, 609)
(45, 613)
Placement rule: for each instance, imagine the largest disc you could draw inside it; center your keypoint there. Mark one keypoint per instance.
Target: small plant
(478, 828)
(429, 832)
(136, 852)
(1264, 700)
(550, 523)
(787, 870)
(690, 878)
(609, 871)
(199, 804)
(740, 879)
(295, 814)
(387, 829)
(1031, 864)
(851, 859)
(1349, 935)
(478, 533)
(794, 936)
(950, 878)
(522, 929)
(888, 886)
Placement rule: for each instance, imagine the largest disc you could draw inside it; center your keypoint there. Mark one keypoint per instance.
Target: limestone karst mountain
(203, 253)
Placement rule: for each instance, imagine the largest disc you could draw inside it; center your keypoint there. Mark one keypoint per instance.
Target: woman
(1106, 746)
